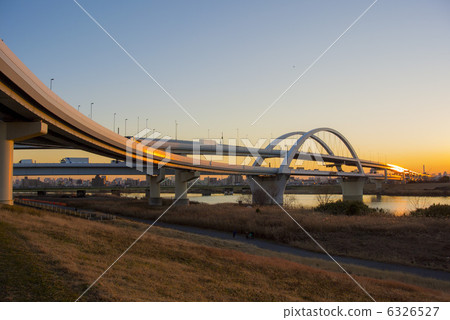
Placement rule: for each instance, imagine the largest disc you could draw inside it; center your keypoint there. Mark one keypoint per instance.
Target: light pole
(114, 123)
(176, 130)
(91, 108)
(138, 126)
(125, 127)
(51, 82)
(146, 127)
(78, 108)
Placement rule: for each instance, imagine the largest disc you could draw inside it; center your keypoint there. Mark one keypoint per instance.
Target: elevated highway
(121, 168)
(33, 115)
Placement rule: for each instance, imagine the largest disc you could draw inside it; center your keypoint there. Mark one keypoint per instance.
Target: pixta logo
(147, 151)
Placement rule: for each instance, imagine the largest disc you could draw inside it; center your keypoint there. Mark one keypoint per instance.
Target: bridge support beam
(352, 188)
(274, 185)
(181, 179)
(154, 197)
(11, 132)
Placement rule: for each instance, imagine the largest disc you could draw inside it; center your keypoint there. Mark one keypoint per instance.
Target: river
(397, 205)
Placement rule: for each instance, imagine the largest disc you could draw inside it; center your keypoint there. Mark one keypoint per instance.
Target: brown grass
(164, 267)
(416, 241)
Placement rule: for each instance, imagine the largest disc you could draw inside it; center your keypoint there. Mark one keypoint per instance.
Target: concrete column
(9, 133)
(154, 197)
(352, 188)
(6, 166)
(378, 186)
(181, 180)
(274, 185)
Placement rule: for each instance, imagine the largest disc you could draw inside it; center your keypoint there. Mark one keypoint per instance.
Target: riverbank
(49, 256)
(414, 241)
(428, 189)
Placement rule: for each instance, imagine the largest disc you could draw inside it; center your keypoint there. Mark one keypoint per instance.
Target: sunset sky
(385, 84)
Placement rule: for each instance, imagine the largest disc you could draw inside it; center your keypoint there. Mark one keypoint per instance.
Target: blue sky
(384, 84)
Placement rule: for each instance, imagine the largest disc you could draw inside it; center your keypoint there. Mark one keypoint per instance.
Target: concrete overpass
(33, 115)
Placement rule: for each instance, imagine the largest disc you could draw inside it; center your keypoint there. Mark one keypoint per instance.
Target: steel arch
(278, 140)
(310, 134)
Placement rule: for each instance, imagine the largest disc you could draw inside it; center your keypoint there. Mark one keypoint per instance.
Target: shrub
(435, 210)
(350, 208)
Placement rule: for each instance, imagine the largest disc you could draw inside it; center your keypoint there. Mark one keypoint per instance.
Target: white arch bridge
(34, 116)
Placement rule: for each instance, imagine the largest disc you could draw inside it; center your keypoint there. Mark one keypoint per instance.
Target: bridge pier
(181, 179)
(274, 185)
(378, 186)
(154, 197)
(9, 133)
(6, 164)
(352, 188)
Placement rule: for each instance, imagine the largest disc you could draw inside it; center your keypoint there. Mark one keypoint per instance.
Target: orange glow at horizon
(436, 162)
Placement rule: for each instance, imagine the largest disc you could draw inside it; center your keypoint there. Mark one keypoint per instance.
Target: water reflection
(397, 205)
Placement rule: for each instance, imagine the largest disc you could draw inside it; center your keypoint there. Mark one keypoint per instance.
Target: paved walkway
(280, 248)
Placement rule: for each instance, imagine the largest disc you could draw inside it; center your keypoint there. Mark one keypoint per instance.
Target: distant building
(131, 182)
(99, 181)
(212, 180)
(234, 179)
(31, 183)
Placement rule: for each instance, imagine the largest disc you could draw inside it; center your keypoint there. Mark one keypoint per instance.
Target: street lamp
(91, 109)
(126, 127)
(51, 82)
(78, 107)
(176, 130)
(114, 123)
(146, 127)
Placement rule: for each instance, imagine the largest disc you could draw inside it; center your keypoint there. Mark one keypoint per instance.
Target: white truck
(26, 161)
(74, 160)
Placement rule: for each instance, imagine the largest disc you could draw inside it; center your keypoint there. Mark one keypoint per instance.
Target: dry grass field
(416, 241)
(52, 257)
